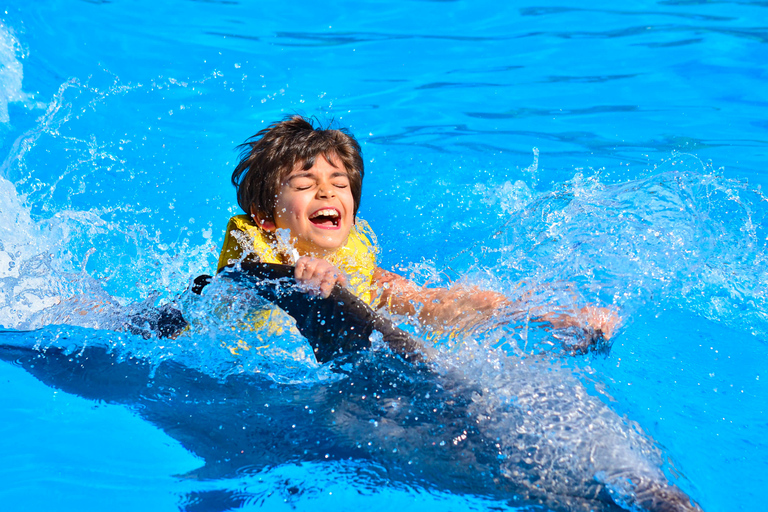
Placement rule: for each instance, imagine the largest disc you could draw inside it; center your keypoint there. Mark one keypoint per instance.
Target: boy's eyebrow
(298, 174)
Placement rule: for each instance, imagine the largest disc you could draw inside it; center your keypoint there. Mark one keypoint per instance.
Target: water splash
(11, 75)
(684, 236)
(231, 332)
(58, 240)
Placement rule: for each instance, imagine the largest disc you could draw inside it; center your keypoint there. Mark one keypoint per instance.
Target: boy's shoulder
(244, 236)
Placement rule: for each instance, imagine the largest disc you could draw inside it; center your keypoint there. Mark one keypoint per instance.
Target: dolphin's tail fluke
(660, 497)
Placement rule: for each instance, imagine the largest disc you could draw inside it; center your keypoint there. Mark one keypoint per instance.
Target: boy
(300, 187)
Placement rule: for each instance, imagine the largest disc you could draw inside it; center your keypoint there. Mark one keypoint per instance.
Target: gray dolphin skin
(534, 438)
(524, 431)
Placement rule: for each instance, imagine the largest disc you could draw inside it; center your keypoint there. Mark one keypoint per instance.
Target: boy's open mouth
(326, 217)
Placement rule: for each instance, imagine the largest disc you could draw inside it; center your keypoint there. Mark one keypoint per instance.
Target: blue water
(617, 147)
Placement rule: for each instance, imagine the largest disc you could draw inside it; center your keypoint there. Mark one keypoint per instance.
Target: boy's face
(317, 206)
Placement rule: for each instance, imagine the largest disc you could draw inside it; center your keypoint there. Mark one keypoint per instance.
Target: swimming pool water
(617, 147)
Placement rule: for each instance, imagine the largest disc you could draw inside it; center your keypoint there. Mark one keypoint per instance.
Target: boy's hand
(602, 321)
(595, 320)
(318, 276)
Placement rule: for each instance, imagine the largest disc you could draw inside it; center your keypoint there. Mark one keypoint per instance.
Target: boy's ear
(266, 225)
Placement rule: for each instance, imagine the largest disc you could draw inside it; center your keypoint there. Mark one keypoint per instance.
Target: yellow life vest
(356, 258)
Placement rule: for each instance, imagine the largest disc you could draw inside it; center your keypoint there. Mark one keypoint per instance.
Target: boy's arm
(439, 307)
(460, 307)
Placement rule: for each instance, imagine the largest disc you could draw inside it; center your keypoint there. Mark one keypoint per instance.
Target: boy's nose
(325, 190)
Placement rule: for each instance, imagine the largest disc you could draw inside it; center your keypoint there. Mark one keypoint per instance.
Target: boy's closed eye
(307, 182)
(300, 182)
(303, 185)
(340, 179)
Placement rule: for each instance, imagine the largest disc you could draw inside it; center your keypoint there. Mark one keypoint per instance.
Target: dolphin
(522, 431)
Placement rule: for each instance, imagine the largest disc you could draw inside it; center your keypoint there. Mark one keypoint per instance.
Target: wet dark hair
(270, 155)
